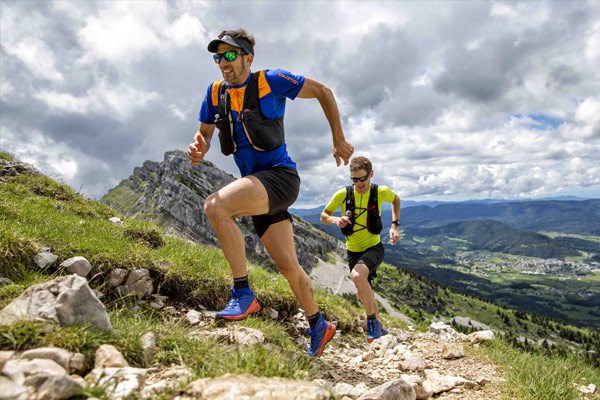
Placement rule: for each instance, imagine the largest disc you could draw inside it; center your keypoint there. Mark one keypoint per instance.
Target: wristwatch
(396, 221)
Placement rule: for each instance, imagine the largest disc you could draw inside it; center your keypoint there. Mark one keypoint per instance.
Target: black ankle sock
(372, 316)
(241, 283)
(313, 319)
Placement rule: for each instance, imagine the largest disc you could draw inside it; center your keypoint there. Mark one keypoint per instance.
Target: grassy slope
(36, 212)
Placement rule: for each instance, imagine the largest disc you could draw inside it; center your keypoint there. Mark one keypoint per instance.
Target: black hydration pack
(374, 225)
(264, 134)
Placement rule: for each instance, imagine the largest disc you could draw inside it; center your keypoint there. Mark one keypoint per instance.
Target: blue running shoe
(320, 336)
(384, 331)
(241, 304)
(373, 330)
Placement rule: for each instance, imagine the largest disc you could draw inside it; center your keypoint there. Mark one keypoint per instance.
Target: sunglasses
(362, 178)
(230, 56)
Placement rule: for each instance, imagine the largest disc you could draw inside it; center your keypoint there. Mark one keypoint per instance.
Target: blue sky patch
(541, 122)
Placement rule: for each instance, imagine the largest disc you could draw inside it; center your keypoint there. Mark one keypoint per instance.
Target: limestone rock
(72, 362)
(394, 390)
(138, 284)
(148, 346)
(453, 350)
(480, 336)
(44, 259)
(12, 390)
(66, 300)
(116, 277)
(119, 383)
(250, 387)
(107, 356)
(77, 265)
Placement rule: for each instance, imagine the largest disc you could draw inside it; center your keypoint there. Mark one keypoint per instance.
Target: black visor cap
(235, 42)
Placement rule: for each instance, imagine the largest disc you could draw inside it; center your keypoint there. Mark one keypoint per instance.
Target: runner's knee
(359, 277)
(214, 207)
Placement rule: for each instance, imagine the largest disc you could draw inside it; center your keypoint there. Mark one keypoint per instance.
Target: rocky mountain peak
(172, 193)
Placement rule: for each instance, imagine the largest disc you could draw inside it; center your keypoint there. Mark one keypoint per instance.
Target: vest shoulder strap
(374, 197)
(349, 196)
(224, 99)
(251, 94)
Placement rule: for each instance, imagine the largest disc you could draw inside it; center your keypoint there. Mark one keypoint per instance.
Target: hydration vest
(374, 225)
(264, 134)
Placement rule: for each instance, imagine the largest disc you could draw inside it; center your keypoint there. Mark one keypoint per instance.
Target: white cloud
(125, 31)
(180, 114)
(592, 45)
(588, 112)
(37, 57)
(440, 98)
(6, 89)
(503, 10)
(53, 158)
(115, 101)
(185, 30)
(116, 37)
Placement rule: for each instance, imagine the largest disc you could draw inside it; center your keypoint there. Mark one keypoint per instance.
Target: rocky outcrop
(66, 300)
(172, 193)
(14, 168)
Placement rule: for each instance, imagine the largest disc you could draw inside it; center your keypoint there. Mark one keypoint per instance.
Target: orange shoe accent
(329, 334)
(254, 308)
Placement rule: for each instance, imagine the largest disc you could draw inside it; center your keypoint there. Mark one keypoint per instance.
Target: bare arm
(201, 144)
(328, 218)
(394, 229)
(312, 89)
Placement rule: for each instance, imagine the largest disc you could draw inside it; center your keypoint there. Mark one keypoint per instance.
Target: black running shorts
(371, 257)
(283, 186)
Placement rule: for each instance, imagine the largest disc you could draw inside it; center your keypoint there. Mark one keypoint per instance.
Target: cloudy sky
(451, 100)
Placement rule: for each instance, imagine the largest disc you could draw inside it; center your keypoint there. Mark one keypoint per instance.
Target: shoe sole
(252, 309)
(329, 334)
(373, 338)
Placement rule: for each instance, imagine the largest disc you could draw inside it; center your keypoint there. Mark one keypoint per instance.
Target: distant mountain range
(564, 216)
(444, 241)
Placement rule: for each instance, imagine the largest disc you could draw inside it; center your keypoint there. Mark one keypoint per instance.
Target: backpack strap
(224, 100)
(350, 211)
(224, 120)
(374, 197)
(374, 224)
(251, 94)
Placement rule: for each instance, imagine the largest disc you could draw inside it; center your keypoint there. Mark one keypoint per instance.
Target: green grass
(538, 377)
(4, 155)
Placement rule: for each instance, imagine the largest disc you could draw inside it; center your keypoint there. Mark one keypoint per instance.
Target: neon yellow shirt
(362, 239)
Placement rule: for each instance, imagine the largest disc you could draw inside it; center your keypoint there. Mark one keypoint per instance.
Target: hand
(395, 234)
(342, 151)
(342, 222)
(198, 148)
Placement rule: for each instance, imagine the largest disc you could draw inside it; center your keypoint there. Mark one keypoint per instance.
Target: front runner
(250, 123)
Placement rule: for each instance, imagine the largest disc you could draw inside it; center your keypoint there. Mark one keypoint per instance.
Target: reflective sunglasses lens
(230, 55)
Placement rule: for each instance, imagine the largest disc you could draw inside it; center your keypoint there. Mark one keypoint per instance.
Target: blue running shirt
(273, 88)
